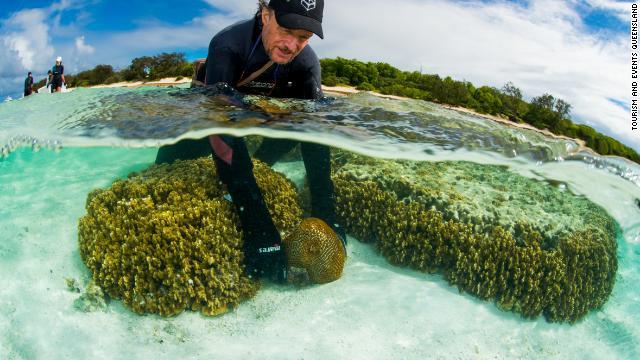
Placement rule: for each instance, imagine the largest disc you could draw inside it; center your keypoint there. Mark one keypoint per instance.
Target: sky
(576, 50)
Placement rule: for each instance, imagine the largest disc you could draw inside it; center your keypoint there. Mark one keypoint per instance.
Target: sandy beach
(134, 84)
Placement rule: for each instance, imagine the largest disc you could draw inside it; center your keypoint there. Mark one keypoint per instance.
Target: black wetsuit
(56, 82)
(234, 54)
(28, 86)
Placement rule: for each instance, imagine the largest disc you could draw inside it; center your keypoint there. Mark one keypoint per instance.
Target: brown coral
(165, 240)
(315, 247)
(529, 269)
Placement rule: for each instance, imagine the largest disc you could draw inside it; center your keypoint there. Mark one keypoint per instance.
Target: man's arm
(222, 65)
(313, 82)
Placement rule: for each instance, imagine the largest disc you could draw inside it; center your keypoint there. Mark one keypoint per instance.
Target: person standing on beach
(266, 55)
(28, 85)
(47, 85)
(58, 76)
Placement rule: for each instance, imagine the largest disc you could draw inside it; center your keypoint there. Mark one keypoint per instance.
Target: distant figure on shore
(58, 76)
(47, 85)
(28, 85)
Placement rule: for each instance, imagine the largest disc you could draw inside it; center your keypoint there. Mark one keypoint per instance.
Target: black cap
(299, 14)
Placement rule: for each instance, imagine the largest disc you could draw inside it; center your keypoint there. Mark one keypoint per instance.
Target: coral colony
(531, 247)
(165, 240)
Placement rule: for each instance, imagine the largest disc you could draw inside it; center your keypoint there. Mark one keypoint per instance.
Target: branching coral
(526, 262)
(165, 240)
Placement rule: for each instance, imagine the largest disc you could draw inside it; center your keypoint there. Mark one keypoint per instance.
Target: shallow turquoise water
(375, 311)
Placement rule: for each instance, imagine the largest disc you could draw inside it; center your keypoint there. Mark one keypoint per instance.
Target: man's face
(282, 44)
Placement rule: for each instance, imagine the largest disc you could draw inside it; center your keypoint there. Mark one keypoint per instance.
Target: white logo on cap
(309, 4)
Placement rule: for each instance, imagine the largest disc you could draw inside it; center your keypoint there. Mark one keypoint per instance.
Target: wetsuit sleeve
(313, 82)
(222, 64)
(307, 73)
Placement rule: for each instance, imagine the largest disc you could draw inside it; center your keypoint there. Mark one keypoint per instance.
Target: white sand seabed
(375, 311)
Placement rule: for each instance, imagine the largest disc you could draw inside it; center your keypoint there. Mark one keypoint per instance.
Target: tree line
(146, 68)
(543, 112)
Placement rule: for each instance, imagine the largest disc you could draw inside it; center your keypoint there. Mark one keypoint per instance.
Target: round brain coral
(315, 247)
(166, 240)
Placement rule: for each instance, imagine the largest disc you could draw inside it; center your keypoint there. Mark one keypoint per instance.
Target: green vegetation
(157, 67)
(543, 112)
(146, 68)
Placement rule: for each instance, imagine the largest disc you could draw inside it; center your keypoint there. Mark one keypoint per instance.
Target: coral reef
(165, 240)
(92, 299)
(315, 247)
(530, 245)
(72, 285)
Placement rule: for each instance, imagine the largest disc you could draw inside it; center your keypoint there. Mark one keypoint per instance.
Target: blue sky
(574, 49)
(112, 15)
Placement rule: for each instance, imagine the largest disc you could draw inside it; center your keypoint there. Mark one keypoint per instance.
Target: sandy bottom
(376, 311)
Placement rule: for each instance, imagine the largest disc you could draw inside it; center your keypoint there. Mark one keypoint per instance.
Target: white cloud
(26, 41)
(62, 5)
(27, 44)
(120, 48)
(82, 48)
(235, 8)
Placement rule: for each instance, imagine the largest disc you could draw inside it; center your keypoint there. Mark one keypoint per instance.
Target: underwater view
(466, 238)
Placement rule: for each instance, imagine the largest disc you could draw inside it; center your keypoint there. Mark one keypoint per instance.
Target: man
(268, 55)
(28, 85)
(58, 76)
